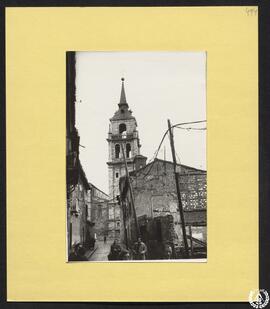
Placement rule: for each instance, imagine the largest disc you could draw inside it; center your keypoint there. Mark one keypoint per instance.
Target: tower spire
(123, 100)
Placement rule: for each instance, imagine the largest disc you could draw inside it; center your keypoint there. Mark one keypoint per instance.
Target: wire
(157, 151)
(190, 128)
(184, 123)
(156, 154)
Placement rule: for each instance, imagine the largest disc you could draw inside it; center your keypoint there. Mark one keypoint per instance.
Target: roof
(168, 162)
(91, 185)
(122, 114)
(83, 176)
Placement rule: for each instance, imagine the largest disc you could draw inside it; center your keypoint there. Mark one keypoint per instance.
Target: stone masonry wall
(155, 193)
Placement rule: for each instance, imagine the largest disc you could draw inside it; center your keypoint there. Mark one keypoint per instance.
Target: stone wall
(157, 188)
(154, 191)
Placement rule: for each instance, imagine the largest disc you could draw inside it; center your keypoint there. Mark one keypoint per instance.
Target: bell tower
(122, 130)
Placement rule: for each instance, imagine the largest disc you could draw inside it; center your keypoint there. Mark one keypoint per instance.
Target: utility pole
(123, 206)
(131, 192)
(180, 206)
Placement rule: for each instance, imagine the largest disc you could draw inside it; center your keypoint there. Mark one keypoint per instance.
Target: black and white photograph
(136, 173)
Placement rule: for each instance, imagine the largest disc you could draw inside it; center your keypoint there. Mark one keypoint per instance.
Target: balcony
(118, 137)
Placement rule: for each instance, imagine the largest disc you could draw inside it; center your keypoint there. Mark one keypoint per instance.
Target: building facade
(78, 193)
(156, 206)
(99, 212)
(124, 144)
(79, 208)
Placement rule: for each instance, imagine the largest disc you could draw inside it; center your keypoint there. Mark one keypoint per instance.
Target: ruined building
(156, 207)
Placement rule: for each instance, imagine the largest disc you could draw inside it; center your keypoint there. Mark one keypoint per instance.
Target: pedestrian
(115, 251)
(167, 251)
(105, 239)
(139, 250)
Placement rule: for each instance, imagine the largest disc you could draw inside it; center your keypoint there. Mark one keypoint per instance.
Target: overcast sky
(159, 86)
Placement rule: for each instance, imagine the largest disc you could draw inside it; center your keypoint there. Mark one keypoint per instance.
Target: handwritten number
(251, 12)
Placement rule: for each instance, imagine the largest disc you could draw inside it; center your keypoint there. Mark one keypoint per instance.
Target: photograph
(136, 172)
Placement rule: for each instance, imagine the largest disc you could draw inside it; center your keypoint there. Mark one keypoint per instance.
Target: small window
(128, 150)
(117, 151)
(122, 111)
(116, 175)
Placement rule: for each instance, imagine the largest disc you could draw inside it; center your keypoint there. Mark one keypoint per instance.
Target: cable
(184, 123)
(157, 151)
(156, 154)
(190, 128)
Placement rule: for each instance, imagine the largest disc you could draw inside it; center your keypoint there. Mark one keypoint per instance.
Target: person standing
(115, 251)
(167, 251)
(105, 239)
(140, 250)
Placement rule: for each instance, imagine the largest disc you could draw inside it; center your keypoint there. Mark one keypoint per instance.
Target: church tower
(123, 130)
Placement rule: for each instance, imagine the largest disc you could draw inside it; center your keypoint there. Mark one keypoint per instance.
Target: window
(128, 150)
(116, 175)
(122, 128)
(117, 151)
(122, 111)
(99, 211)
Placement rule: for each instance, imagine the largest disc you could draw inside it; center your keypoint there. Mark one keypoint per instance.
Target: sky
(158, 86)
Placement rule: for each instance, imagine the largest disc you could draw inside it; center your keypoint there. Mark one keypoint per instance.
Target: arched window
(117, 151)
(122, 128)
(128, 150)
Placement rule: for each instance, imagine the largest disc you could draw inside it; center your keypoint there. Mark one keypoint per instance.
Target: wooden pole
(123, 206)
(131, 192)
(180, 206)
(191, 241)
(70, 236)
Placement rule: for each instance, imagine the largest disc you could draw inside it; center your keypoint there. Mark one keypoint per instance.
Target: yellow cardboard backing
(36, 42)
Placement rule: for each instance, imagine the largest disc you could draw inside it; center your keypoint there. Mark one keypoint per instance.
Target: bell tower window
(122, 128)
(117, 151)
(128, 150)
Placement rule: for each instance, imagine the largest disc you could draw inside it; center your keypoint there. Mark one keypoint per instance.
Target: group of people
(138, 251)
(117, 252)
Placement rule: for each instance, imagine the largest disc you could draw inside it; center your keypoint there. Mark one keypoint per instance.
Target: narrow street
(102, 251)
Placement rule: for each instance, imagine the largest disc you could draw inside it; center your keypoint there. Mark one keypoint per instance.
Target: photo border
(264, 140)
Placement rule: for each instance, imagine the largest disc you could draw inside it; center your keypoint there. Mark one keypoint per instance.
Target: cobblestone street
(102, 251)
